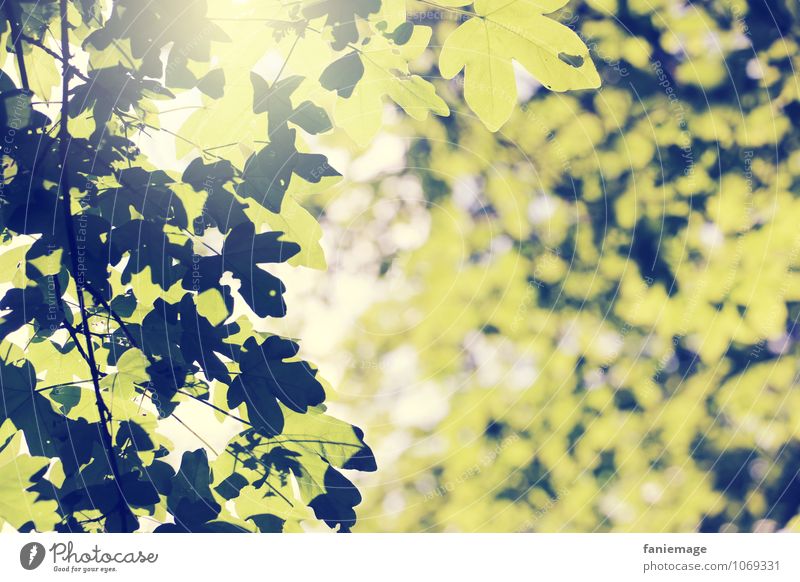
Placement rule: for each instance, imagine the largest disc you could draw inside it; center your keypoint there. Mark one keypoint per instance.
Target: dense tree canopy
(139, 280)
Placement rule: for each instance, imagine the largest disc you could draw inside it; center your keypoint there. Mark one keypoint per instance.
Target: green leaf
(18, 473)
(452, 3)
(213, 84)
(386, 74)
(341, 17)
(339, 443)
(484, 47)
(67, 396)
(267, 523)
(221, 207)
(343, 74)
(299, 226)
(402, 34)
(267, 376)
(241, 254)
(268, 172)
(134, 435)
(311, 118)
(191, 501)
(275, 99)
(231, 486)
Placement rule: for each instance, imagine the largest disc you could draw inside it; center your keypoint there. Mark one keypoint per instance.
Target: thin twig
(62, 385)
(267, 483)
(40, 45)
(100, 299)
(121, 114)
(73, 333)
(201, 439)
(286, 60)
(215, 407)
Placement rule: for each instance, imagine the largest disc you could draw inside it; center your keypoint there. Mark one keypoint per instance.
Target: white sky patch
(386, 155)
(711, 236)
(542, 208)
(527, 85)
(465, 191)
(422, 406)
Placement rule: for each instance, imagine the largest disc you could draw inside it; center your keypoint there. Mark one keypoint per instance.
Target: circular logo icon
(31, 555)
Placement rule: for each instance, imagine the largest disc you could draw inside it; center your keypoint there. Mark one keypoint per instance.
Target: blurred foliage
(598, 331)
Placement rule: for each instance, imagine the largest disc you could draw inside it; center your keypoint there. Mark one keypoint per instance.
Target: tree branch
(64, 139)
(16, 35)
(98, 297)
(73, 333)
(71, 330)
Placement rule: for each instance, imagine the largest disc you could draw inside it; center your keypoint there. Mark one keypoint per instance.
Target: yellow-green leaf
(18, 505)
(503, 31)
